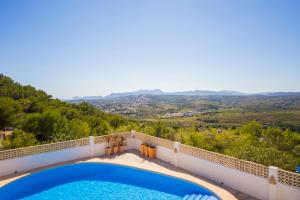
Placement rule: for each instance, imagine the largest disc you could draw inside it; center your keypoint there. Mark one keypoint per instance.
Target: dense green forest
(37, 118)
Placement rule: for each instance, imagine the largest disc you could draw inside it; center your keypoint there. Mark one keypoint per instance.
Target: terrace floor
(133, 158)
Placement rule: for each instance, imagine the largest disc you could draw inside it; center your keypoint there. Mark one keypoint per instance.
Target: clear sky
(84, 47)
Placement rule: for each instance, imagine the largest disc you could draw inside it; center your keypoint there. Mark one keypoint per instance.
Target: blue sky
(80, 48)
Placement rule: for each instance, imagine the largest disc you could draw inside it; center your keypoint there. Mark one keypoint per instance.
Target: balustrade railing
(284, 177)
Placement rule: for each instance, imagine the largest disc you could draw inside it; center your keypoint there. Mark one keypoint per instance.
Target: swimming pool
(102, 181)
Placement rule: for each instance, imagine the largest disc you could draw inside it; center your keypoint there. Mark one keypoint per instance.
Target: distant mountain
(278, 94)
(139, 92)
(185, 93)
(207, 93)
(88, 98)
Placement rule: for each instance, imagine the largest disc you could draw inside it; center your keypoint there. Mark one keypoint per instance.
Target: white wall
(133, 143)
(250, 184)
(165, 154)
(39, 160)
(162, 153)
(287, 192)
(25, 163)
(99, 149)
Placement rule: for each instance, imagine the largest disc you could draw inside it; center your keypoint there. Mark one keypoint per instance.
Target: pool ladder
(198, 197)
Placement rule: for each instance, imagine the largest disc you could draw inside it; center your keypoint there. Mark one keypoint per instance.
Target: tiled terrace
(133, 158)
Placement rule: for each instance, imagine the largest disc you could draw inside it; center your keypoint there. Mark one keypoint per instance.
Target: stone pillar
(91, 145)
(176, 149)
(272, 182)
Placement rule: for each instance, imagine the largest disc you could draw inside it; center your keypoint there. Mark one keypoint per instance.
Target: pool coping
(220, 192)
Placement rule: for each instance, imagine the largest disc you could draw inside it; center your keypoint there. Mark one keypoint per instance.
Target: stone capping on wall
(103, 138)
(26, 151)
(231, 162)
(289, 178)
(155, 140)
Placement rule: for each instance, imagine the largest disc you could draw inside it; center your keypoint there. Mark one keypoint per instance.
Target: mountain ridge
(186, 93)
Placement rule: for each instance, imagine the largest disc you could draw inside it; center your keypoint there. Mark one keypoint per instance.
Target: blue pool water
(99, 181)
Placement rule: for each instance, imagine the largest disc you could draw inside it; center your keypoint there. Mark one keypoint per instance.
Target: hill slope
(38, 118)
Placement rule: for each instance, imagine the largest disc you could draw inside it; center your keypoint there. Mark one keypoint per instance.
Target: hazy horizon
(94, 48)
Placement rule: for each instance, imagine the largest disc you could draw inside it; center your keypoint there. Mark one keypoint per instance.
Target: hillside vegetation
(37, 118)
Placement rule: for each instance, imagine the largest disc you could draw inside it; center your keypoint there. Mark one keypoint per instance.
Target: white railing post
(176, 149)
(132, 143)
(272, 183)
(91, 145)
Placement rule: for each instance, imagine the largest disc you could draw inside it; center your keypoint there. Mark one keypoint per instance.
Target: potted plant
(108, 149)
(152, 151)
(121, 144)
(142, 149)
(145, 149)
(115, 145)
